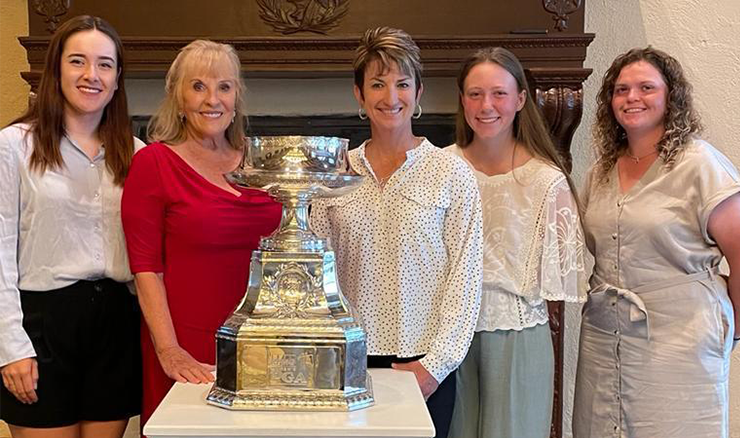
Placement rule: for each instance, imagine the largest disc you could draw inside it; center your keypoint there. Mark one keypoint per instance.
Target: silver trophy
(294, 342)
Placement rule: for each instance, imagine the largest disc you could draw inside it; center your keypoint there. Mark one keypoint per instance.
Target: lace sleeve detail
(562, 275)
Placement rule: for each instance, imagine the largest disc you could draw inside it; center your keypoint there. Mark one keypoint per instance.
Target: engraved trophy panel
(294, 342)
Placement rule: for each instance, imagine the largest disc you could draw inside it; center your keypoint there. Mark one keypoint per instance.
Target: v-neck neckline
(411, 158)
(640, 183)
(191, 169)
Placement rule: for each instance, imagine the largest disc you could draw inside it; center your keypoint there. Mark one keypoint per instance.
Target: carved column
(559, 95)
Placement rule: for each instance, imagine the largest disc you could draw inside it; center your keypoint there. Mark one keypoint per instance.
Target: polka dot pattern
(409, 255)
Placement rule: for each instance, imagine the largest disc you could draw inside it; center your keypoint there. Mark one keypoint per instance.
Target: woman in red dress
(190, 233)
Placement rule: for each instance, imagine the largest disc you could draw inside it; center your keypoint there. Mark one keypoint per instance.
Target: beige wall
(13, 89)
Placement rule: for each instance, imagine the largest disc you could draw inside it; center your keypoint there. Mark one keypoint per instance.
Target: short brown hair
(46, 115)
(681, 121)
(387, 46)
(166, 124)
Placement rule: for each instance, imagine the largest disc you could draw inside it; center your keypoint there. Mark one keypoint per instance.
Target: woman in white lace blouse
(532, 254)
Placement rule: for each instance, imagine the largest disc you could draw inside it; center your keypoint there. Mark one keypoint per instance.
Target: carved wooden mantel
(317, 39)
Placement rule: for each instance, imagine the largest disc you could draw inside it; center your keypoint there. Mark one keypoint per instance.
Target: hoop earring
(417, 116)
(362, 114)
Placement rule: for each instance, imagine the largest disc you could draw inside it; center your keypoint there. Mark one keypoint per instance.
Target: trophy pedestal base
(272, 400)
(294, 343)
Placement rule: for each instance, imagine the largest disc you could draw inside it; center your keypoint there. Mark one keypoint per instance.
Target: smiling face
(88, 73)
(639, 98)
(491, 100)
(388, 96)
(208, 101)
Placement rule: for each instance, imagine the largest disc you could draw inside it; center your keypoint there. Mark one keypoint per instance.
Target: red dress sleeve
(142, 213)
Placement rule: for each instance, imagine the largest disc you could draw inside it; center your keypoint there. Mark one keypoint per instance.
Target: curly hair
(681, 121)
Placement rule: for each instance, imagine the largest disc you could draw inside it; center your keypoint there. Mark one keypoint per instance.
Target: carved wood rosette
(52, 11)
(561, 9)
(293, 16)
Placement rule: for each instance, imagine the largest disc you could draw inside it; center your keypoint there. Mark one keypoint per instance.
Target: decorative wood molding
(561, 9)
(52, 11)
(332, 56)
(292, 16)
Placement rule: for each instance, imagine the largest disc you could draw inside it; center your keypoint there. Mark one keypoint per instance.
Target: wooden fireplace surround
(317, 38)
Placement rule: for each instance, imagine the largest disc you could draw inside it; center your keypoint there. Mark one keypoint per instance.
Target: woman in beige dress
(662, 209)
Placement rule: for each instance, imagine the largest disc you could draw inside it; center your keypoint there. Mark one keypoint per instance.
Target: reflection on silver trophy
(294, 342)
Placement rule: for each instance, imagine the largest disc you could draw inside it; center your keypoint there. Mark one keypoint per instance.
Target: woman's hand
(179, 365)
(21, 377)
(427, 383)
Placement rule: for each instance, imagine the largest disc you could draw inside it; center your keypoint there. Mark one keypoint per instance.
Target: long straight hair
(46, 114)
(530, 129)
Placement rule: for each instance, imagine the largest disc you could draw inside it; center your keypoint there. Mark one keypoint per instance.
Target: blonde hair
(167, 124)
(387, 46)
(681, 121)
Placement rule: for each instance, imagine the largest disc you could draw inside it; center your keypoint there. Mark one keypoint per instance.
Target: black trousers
(440, 404)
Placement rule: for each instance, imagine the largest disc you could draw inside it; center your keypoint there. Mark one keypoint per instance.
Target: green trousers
(505, 386)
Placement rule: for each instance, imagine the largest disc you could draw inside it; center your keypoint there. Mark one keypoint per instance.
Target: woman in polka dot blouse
(408, 241)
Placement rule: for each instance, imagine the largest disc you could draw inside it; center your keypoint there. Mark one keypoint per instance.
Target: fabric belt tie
(638, 312)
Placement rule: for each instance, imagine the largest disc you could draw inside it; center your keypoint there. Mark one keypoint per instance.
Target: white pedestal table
(399, 411)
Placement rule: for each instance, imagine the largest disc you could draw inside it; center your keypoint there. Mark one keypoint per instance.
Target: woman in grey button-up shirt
(68, 323)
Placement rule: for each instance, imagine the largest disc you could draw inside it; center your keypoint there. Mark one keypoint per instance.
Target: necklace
(637, 159)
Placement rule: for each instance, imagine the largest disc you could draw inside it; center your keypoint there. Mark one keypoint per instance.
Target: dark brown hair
(530, 129)
(46, 114)
(681, 121)
(387, 45)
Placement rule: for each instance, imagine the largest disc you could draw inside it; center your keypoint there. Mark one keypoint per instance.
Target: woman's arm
(463, 240)
(17, 362)
(177, 363)
(724, 228)
(143, 206)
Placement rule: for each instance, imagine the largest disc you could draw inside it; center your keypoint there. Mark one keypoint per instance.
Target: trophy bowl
(295, 153)
(287, 166)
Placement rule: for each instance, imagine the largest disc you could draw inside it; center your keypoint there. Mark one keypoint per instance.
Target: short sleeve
(142, 212)
(718, 179)
(561, 270)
